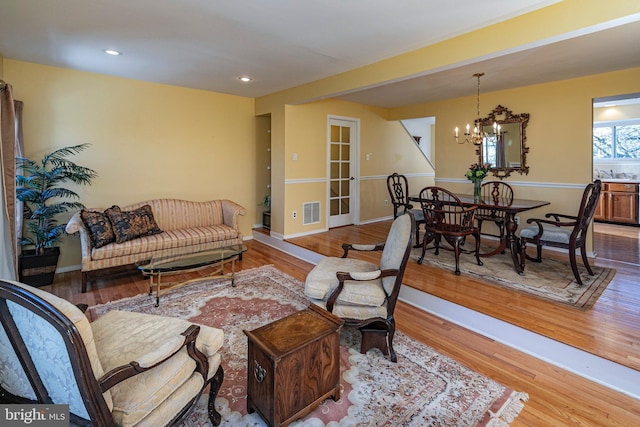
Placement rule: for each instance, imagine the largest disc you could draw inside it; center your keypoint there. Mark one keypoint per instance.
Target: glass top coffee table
(166, 265)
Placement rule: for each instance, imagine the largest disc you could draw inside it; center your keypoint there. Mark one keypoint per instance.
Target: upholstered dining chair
(499, 192)
(362, 293)
(123, 369)
(446, 217)
(563, 231)
(398, 187)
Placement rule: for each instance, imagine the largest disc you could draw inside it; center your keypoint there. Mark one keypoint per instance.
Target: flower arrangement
(478, 171)
(475, 174)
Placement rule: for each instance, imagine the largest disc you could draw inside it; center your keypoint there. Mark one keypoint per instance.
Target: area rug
(422, 388)
(552, 279)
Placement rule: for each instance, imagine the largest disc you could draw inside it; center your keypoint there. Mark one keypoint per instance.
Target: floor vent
(311, 213)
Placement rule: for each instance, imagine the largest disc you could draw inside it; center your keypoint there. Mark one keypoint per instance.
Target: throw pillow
(129, 225)
(99, 227)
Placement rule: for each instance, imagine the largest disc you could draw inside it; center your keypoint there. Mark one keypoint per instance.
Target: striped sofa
(186, 226)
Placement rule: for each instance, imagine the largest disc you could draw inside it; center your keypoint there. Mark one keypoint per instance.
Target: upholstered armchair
(563, 231)
(364, 294)
(123, 369)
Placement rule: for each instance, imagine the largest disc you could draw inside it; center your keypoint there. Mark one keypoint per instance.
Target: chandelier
(478, 135)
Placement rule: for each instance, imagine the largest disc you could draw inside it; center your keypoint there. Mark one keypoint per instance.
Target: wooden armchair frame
(91, 389)
(578, 224)
(446, 217)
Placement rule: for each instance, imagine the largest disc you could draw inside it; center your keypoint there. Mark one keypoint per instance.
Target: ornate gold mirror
(504, 142)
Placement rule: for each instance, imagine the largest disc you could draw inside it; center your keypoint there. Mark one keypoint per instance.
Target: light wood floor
(557, 397)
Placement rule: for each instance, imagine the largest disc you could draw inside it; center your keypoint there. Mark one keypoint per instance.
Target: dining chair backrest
(498, 193)
(443, 211)
(398, 187)
(588, 204)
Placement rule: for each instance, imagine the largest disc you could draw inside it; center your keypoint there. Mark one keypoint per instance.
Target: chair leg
(456, 251)
(477, 237)
(501, 230)
(424, 249)
(215, 384)
(391, 325)
(585, 260)
(84, 281)
(417, 245)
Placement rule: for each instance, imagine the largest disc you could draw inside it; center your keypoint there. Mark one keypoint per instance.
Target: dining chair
(563, 231)
(362, 293)
(398, 187)
(500, 193)
(446, 217)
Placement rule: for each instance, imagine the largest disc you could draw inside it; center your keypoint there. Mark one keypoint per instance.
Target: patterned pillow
(99, 226)
(128, 225)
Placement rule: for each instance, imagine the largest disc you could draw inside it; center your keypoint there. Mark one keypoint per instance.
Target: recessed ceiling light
(112, 52)
(245, 79)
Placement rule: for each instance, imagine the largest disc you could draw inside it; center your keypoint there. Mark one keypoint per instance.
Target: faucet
(612, 175)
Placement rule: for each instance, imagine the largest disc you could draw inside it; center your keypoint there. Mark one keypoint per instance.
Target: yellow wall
(148, 140)
(388, 144)
(559, 135)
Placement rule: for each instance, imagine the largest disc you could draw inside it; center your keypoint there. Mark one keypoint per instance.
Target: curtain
(19, 147)
(9, 257)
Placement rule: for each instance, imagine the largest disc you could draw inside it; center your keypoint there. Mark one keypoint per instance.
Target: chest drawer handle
(259, 372)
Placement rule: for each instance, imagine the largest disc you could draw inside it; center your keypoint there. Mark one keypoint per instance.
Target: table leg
(233, 272)
(509, 240)
(158, 290)
(510, 227)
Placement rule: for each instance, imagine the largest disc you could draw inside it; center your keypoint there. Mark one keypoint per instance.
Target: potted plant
(39, 185)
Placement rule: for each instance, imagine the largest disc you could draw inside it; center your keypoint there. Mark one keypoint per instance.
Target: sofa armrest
(75, 225)
(230, 212)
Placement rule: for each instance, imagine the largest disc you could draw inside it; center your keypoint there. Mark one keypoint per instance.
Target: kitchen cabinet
(618, 203)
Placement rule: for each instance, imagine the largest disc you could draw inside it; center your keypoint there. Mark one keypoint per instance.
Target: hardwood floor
(557, 397)
(617, 242)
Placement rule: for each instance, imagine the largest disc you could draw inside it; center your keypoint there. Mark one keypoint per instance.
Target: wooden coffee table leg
(158, 280)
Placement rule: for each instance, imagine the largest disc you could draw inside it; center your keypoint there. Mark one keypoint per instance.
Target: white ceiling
(207, 44)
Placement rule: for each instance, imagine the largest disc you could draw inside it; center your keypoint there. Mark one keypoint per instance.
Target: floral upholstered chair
(364, 294)
(123, 369)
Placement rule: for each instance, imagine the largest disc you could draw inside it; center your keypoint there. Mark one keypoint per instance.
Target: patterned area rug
(551, 279)
(423, 388)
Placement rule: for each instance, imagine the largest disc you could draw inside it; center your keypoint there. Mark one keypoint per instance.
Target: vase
(477, 187)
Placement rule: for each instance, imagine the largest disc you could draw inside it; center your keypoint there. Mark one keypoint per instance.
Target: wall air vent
(311, 213)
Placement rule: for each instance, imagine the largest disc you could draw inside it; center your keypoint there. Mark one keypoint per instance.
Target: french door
(342, 168)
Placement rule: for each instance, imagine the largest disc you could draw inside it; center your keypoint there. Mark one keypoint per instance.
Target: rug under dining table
(552, 279)
(423, 388)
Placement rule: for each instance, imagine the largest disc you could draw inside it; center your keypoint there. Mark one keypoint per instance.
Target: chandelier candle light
(478, 135)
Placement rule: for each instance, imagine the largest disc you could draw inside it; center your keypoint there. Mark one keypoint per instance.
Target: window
(616, 140)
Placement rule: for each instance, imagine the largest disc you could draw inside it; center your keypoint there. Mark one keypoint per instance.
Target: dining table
(511, 209)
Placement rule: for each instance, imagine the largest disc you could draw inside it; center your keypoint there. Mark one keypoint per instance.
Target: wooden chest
(293, 365)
